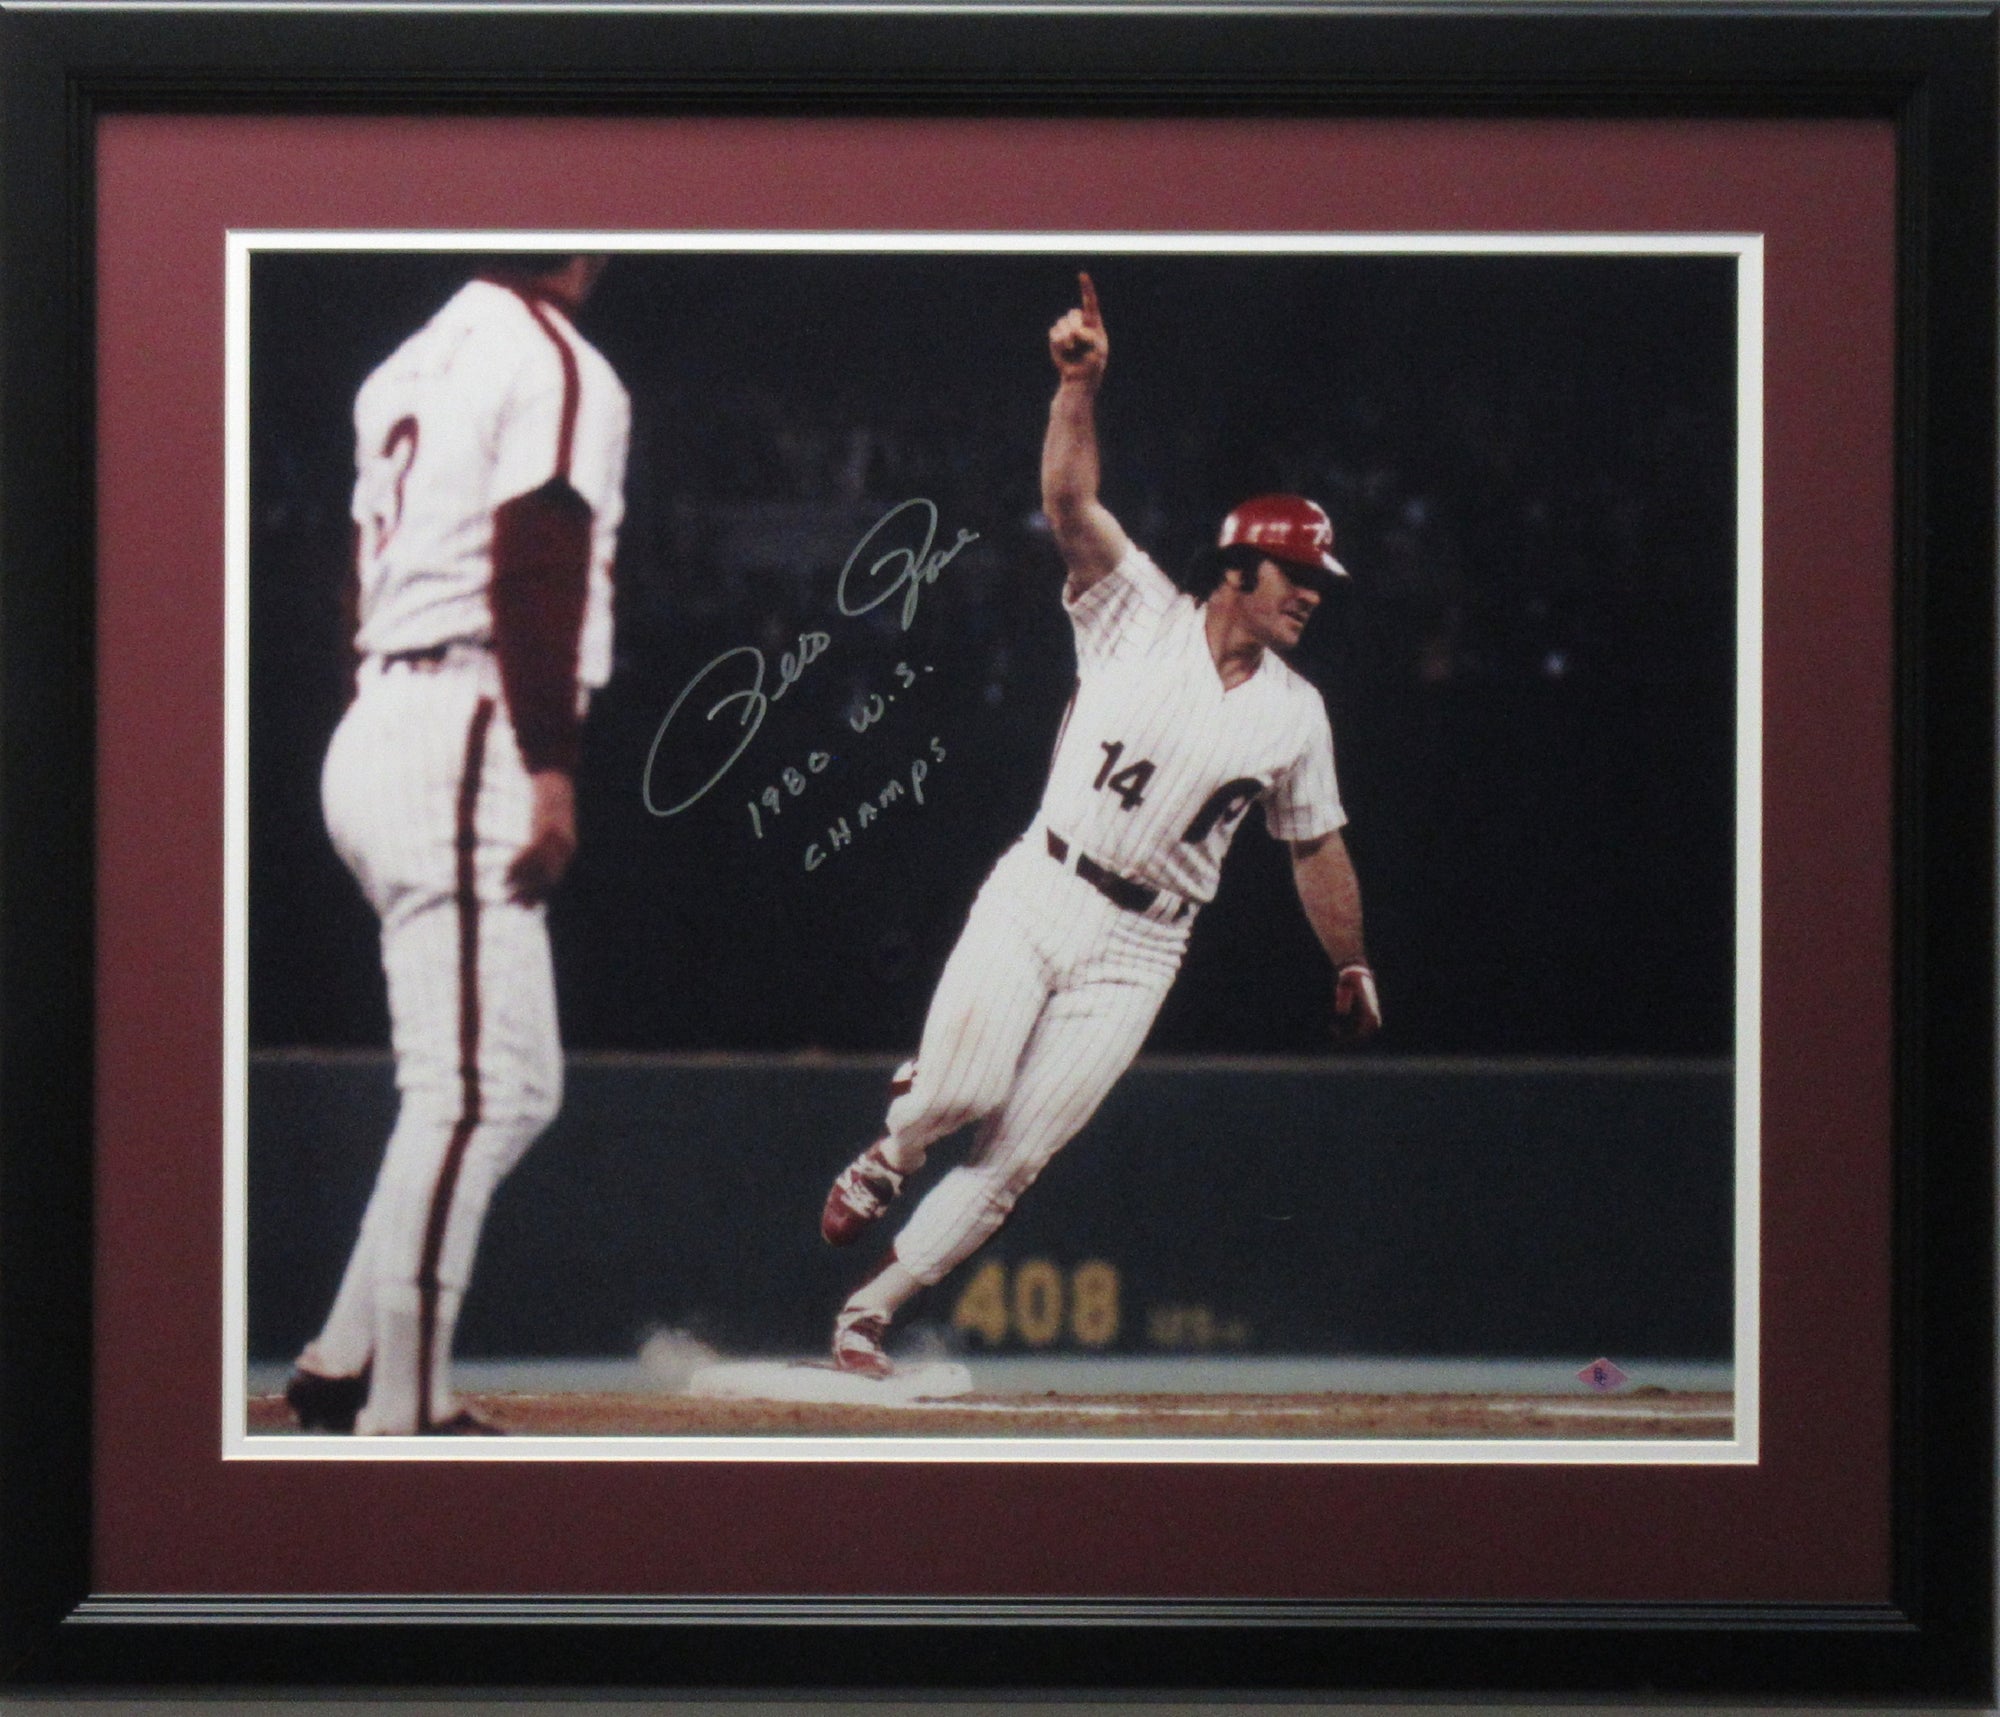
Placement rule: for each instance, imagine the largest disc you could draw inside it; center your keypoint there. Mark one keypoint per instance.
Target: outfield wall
(1366, 1207)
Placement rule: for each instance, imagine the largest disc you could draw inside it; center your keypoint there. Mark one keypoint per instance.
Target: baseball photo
(968, 847)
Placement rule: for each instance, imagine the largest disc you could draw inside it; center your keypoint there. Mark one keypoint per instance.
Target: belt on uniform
(1119, 890)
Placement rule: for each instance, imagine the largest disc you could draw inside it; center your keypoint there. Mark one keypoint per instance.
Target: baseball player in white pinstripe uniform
(1183, 717)
(490, 468)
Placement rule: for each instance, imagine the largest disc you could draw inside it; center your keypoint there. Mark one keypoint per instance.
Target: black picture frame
(1929, 68)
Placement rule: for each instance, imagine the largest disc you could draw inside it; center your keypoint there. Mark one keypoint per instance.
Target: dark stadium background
(1530, 462)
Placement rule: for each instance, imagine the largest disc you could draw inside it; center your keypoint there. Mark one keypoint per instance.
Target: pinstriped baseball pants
(427, 803)
(1044, 1003)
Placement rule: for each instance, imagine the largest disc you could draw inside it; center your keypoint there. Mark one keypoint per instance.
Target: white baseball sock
(884, 1293)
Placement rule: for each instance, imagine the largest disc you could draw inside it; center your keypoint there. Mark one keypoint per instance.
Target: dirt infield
(1640, 1414)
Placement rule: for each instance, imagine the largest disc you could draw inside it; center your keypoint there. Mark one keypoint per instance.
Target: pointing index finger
(1091, 316)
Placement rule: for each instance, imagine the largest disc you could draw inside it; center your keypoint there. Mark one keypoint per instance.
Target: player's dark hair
(1205, 572)
(522, 264)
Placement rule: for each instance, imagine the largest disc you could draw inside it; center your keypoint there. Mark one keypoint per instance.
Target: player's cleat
(857, 1344)
(861, 1193)
(465, 1423)
(327, 1403)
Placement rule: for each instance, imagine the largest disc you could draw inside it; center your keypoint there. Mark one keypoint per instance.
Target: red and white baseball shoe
(860, 1197)
(857, 1344)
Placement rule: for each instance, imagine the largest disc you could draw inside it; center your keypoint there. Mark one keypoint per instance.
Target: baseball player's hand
(1078, 342)
(551, 844)
(1357, 1012)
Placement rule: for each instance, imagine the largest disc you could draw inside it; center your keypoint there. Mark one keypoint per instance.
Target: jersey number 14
(1128, 783)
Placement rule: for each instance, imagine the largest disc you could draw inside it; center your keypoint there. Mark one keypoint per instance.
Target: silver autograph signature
(906, 567)
(752, 697)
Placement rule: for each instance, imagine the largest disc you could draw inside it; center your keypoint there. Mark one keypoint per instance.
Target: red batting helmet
(1288, 528)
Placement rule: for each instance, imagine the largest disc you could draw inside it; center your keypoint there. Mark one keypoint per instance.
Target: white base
(816, 1380)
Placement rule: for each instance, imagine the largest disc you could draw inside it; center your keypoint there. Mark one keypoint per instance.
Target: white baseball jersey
(1156, 763)
(490, 399)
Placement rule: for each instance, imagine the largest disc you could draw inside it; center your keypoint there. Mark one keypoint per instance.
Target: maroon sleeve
(541, 566)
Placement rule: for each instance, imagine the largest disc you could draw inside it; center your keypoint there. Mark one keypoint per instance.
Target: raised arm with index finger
(1091, 540)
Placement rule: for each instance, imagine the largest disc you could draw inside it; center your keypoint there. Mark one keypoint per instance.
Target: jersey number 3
(1128, 783)
(388, 471)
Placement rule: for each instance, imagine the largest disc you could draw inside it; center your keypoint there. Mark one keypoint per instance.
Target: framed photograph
(1142, 851)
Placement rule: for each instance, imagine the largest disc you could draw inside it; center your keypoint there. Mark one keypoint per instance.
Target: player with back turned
(489, 488)
(1184, 716)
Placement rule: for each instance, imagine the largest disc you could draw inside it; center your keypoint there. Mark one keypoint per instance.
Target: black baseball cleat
(857, 1344)
(464, 1423)
(327, 1403)
(860, 1196)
